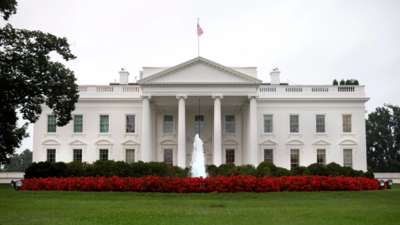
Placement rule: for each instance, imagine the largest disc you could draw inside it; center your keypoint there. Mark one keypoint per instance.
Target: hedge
(161, 169)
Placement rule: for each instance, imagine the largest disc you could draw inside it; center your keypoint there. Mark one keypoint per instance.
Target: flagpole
(198, 38)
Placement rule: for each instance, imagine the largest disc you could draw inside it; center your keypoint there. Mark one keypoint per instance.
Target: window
(347, 158)
(268, 124)
(130, 155)
(78, 155)
(103, 154)
(168, 124)
(78, 124)
(346, 123)
(168, 157)
(51, 124)
(321, 156)
(51, 155)
(230, 156)
(320, 123)
(294, 158)
(294, 124)
(198, 124)
(229, 124)
(130, 123)
(104, 124)
(268, 155)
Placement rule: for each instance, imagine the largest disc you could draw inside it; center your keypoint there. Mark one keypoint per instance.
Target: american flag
(199, 30)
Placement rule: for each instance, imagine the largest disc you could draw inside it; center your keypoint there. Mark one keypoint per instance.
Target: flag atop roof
(199, 30)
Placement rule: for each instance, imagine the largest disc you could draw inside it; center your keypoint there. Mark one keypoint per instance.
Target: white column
(217, 130)
(146, 129)
(181, 132)
(252, 151)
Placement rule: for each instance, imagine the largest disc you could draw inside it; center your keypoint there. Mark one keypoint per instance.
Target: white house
(240, 119)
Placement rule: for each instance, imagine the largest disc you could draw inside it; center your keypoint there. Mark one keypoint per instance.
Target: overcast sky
(311, 42)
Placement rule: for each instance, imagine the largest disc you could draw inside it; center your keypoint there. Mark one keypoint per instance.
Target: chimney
(275, 76)
(123, 77)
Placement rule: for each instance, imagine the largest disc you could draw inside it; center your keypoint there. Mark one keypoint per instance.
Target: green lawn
(357, 207)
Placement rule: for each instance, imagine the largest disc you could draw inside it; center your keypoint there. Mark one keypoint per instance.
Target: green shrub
(342, 82)
(233, 171)
(335, 82)
(270, 165)
(299, 170)
(212, 170)
(369, 174)
(349, 82)
(344, 170)
(223, 169)
(245, 169)
(333, 169)
(355, 82)
(317, 169)
(282, 172)
(178, 172)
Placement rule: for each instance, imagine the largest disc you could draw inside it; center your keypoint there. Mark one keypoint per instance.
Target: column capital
(145, 96)
(217, 96)
(253, 96)
(181, 96)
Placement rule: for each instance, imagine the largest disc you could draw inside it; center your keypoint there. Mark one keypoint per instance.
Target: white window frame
(124, 127)
(295, 144)
(352, 156)
(55, 154)
(299, 134)
(204, 123)
(348, 144)
(50, 144)
(130, 144)
(322, 144)
(104, 144)
(348, 134)
(47, 123)
(224, 124)
(263, 134)
(169, 144)
(83, 125)
(268, 144)
(290, 157)
(77, 144)
(326, 134)
(230, 144)
(109, 125)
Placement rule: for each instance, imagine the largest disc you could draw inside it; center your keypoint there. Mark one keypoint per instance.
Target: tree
(335, 82)
(19, 163)
(8, 7)
(349, 82)
(355, 82)
(342, 82)
(383, 139)
(29, 79)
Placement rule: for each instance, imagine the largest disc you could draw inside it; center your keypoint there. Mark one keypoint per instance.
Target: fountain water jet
(198, 168)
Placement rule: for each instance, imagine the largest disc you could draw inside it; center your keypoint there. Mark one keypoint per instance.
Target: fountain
(197, 165)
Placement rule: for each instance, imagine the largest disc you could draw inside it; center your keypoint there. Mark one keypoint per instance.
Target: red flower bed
(210, 184)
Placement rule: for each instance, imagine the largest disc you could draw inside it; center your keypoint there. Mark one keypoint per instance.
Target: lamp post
(389, 184)
(381, 184)
(16, 184)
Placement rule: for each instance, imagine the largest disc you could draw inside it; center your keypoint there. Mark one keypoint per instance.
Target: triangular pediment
(268, 142)
(77, 142)
(129, 142)
(199, 70)
(321, 142)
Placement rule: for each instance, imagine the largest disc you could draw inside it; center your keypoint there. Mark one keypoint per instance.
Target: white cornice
(200, 84)
(109, 100)
(200, 60)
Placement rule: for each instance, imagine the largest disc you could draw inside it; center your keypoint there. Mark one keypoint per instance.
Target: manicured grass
(52, 207)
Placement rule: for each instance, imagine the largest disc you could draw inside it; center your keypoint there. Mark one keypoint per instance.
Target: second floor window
(104, 124)
(168, 124)
(294, 123)
(51, 124)
(78, 124)
(198, 124)
(229, 124)
(268, 124)
(346, 123)
(320, 124)
(130, 123)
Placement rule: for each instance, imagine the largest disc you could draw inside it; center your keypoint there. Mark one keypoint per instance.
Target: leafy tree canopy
(383, 139)
(8, 7)
(19, 163)
(29, 79)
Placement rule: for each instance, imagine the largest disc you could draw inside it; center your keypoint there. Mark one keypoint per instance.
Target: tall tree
(383, 139)
(29, 79)
(19, 163)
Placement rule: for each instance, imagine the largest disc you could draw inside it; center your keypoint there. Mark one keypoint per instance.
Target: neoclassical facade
(240, 119)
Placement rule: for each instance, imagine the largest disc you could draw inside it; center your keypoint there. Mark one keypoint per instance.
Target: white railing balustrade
(104, 89)
(82, 89)
(294, 89)
(320, 89)
(267, 89)
(130, 89)
(345, 89)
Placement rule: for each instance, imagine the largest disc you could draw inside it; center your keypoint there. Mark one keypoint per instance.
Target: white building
(242, 120)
